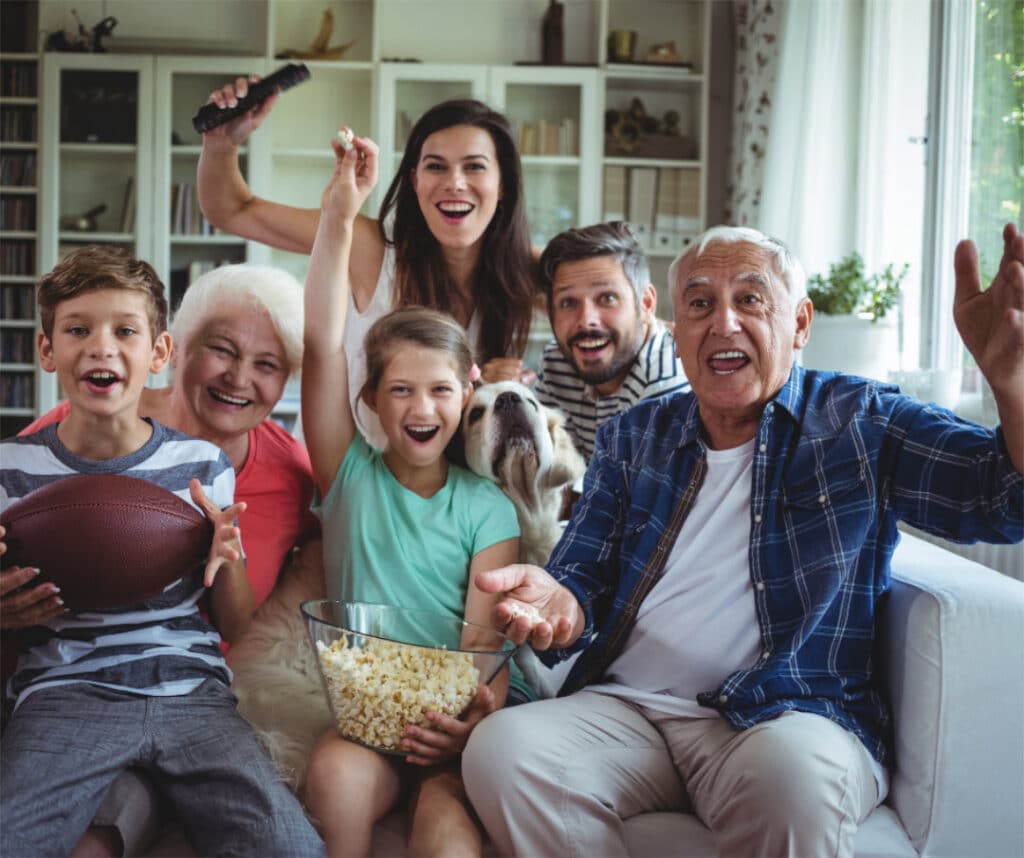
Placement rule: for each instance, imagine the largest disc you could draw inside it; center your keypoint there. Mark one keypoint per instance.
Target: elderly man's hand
(991, 323)
(536, 608)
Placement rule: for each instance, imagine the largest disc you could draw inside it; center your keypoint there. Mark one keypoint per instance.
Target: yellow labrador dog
(515, 441)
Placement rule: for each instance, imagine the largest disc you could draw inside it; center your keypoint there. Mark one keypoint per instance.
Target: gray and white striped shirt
(160, 647)
(656, 371)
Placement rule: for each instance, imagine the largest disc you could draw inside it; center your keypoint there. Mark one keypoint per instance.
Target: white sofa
(951, 647)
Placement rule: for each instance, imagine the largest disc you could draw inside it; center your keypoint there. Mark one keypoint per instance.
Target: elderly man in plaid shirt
(722, 571)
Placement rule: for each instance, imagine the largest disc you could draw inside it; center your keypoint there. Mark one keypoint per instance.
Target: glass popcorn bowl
(384, 667)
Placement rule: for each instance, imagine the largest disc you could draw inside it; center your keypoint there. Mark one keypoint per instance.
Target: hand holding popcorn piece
(345, 137)
(536, 608)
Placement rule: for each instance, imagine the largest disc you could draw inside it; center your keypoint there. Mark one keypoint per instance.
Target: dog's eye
(533, 402)
(475, 414)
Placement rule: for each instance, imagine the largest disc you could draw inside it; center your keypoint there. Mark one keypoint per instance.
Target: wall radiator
(1008, 559)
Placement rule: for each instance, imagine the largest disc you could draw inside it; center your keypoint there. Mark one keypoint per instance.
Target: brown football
(107, 541)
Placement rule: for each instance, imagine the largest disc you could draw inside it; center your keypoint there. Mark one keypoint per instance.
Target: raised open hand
(991, 321)
(226, 547)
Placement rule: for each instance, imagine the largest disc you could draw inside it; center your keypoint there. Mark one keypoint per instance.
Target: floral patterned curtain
(757, 25)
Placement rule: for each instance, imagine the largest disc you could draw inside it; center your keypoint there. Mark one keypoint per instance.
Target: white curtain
(810, 167)
(834, 160)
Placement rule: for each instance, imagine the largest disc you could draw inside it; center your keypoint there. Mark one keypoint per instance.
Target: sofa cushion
(952, 638)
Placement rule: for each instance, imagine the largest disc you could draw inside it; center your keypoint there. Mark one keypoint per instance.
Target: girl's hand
(26, 607)
(226, 547)
(354, 177)
(446, 736)
(237, 131)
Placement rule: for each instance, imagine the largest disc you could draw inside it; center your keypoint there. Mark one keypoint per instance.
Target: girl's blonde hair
(418, 326)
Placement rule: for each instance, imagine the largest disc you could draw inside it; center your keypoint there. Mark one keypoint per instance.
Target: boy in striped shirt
(142, 685)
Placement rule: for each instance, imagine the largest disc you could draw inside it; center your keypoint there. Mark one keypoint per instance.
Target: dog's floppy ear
(568, 464)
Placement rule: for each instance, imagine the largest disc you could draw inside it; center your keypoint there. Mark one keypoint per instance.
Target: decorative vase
(553, 35)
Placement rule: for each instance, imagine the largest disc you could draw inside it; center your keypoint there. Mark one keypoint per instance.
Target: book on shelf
(128, 206)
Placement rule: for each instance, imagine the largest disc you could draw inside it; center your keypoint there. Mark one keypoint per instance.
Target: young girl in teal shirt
(401, 526)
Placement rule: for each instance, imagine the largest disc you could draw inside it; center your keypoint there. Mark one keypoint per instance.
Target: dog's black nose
(507, 401)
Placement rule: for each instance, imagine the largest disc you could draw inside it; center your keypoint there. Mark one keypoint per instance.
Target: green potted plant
(854, 329)
(848, 290)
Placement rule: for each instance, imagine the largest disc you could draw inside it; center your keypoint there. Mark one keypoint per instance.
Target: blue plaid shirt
(838, 462)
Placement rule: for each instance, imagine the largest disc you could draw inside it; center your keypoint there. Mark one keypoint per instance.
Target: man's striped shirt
(656, 371)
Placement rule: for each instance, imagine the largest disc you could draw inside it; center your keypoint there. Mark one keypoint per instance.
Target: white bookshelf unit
(19, 214)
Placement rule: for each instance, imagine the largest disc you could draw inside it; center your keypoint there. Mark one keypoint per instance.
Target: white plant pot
(852, 344)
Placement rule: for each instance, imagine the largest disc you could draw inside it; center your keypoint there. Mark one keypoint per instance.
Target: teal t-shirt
(386, 544)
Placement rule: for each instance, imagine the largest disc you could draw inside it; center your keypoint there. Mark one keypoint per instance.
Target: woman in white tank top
(451, 232)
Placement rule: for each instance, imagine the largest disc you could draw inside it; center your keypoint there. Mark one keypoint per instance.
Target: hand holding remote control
(211, 116)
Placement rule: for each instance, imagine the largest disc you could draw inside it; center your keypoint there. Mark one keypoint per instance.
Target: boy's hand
(446, 736)
(225, 547)
(354, 177)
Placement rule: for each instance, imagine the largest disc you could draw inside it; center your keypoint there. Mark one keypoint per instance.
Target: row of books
(547, 137)
(18, 257)
(18, 213)
(186, 215)
(18, 80)
(184, 276)
(661, 204)
(17, 301)
(18, 125)
(17, 390)
(18, 169)
(17, 346)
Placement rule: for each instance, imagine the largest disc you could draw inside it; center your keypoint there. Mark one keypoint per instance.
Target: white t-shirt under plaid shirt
(656, 371)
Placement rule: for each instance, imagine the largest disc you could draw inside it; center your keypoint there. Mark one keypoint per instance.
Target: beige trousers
(560, 777)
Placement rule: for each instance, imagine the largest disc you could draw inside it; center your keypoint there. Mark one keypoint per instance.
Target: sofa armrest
(952, 645)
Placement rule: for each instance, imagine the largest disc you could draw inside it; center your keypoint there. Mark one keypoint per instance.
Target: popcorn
(345, 137)
(378, 688)
(520, 610)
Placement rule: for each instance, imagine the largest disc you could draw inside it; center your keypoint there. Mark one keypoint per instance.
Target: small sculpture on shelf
(320, 48)
(664, 52)
(81, 40)
(553, 35)
(85, 222)
(637, 133)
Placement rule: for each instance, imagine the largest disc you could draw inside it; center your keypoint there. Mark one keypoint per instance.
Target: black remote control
(210, 116)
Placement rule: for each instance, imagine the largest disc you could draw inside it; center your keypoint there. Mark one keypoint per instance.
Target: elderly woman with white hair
(237, 342)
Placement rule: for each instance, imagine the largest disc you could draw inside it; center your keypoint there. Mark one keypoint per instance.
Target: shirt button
(723, 698)
(766, 655)
(757, 517)
(822, 498)
(770, 406)
(764, 448)
(759, 585)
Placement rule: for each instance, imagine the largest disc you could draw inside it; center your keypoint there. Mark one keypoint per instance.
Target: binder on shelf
(643, 190)
(664, 237)
(687, 202)
(615, 190)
